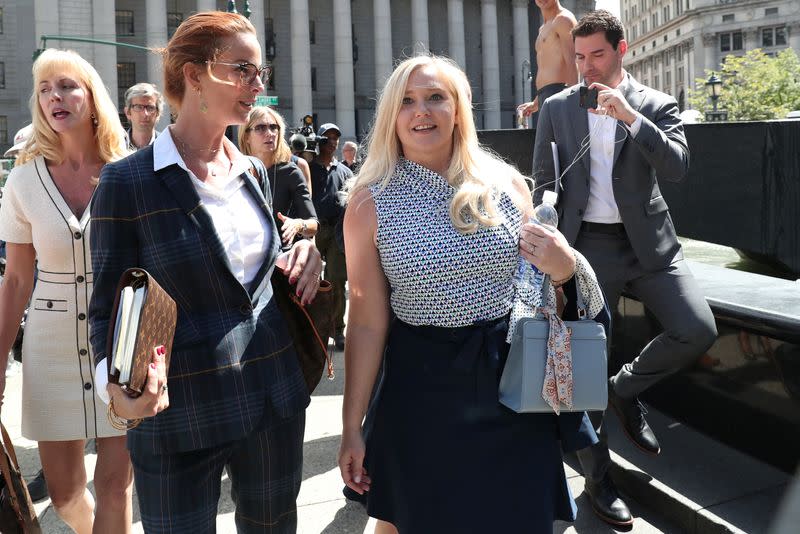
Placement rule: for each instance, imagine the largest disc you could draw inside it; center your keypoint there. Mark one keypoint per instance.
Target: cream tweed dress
(58, 396)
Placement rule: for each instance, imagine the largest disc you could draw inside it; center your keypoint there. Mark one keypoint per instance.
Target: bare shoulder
(520, 193)
(360, 213)
(565, 20)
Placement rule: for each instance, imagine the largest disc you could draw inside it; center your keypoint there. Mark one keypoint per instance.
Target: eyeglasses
(261, 129)
(150, 108)
(248, 72)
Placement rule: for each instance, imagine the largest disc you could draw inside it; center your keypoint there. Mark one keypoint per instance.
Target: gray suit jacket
(659, 152)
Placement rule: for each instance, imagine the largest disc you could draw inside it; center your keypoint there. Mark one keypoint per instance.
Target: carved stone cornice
(709, 39)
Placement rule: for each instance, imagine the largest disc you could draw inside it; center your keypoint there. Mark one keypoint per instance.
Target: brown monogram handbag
(156, 326)
(310, 326)
(17, 515)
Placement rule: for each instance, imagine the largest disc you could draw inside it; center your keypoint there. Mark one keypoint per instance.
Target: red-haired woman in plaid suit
(188, 210)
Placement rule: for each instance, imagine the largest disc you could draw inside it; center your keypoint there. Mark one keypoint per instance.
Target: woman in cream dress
(44, 217)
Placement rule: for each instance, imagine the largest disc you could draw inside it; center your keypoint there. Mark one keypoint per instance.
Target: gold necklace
(184, 150)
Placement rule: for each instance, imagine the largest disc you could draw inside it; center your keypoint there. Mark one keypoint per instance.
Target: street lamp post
(714, 89)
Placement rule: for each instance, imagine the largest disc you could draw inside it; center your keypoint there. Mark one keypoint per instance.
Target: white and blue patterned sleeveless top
(438, 276)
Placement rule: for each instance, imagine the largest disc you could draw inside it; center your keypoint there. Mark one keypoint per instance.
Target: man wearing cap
(143, 106)
(328, 178)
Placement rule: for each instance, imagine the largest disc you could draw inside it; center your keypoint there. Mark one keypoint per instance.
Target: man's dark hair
(600, 21)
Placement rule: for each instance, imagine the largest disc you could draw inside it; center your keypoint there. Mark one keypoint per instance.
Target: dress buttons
(246, 309)
(83, 352)
(49, 304)
(79, 279)
(87, 386)
(81, 316)
(78, 235)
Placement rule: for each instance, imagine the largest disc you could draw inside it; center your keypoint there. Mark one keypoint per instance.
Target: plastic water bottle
(546, 215)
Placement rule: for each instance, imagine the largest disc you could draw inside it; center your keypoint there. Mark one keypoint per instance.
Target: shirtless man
(555, 55)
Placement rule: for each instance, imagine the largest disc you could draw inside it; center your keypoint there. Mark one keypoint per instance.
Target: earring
(203, 104)
(95, 122)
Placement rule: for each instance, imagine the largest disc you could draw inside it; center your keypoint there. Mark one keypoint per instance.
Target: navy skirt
(444, 455)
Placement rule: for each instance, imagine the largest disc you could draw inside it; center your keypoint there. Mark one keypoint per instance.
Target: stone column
(156, 37)
(105, 56)
(455, 32)
(257, 19)
(491, 65)
(522, 51)
(710, 42)
(419, 25)
(794, 35)
(47, 21)
(382, 22)
(343, 68)
(301, 61)
(206, 5)
(691, 66)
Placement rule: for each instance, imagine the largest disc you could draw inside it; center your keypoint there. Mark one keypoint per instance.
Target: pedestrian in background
(328, 178)
(434, 232)
(45, 217)
(143, 107)
(187, 210)
(263, 137)
(350, 156)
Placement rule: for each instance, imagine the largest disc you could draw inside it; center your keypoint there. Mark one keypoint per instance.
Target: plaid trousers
(179, 492)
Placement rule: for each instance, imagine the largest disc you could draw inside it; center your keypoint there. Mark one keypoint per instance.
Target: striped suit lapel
(180, 185)
(264, 273)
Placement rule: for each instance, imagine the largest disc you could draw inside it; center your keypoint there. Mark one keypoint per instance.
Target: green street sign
(263, 100)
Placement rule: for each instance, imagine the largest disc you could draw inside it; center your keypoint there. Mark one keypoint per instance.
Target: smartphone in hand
(588, 97)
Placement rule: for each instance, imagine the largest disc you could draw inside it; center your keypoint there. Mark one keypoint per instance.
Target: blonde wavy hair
(109, 135)
(474, 171)
(282, 152)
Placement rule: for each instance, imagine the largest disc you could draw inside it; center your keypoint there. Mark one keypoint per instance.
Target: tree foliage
(755, 86)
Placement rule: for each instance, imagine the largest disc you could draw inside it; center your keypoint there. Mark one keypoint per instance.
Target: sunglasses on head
(262, 128)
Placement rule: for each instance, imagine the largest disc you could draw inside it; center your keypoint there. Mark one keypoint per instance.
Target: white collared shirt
(602, 206)
(240, 222)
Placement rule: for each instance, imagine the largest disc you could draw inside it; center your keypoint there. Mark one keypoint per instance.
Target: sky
(610, 5)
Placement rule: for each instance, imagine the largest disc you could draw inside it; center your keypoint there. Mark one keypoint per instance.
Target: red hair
(198, 39)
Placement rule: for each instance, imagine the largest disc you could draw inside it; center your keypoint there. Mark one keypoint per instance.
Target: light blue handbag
(524, 372)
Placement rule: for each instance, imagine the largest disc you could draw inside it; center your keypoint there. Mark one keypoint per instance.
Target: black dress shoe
(607, 503)
(38, 487)
(631, 414)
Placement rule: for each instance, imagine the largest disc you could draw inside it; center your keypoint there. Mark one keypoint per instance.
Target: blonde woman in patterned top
(434, 229)
(45, 217)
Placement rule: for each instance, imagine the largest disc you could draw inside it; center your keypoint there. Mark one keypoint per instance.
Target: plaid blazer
(233, 364)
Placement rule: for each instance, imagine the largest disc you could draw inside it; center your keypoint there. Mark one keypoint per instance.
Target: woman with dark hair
(188, 210)
(263, 138)
(45, 218)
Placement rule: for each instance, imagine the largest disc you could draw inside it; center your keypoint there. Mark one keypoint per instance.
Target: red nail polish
(152, 366)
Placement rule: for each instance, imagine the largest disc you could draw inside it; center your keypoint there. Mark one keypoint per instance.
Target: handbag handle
(580, 305)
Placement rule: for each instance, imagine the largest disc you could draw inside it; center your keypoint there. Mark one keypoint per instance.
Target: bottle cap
(550, 197)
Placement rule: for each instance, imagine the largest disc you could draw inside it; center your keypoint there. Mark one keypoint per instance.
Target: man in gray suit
(613, 157)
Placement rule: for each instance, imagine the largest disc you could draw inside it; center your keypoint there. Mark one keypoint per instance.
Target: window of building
(678, 32)
(655, 83)
(633, 12)
(770, 11)
(678, 7)
(124, 22)
(730, 17)
(654, 19)
(3, 130)
(271, 80)
(667, 58)
(633, 33)
(680, 53)
(643, 27)
(668, 81)
(173, 21)
(773, 36)
(665, 13)
(730, 41)
(626, 14)
(680, 75)
(2, 75)
(312, 31)
(665, 38)
(313, 78)
(654, 43)
(126, 76)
